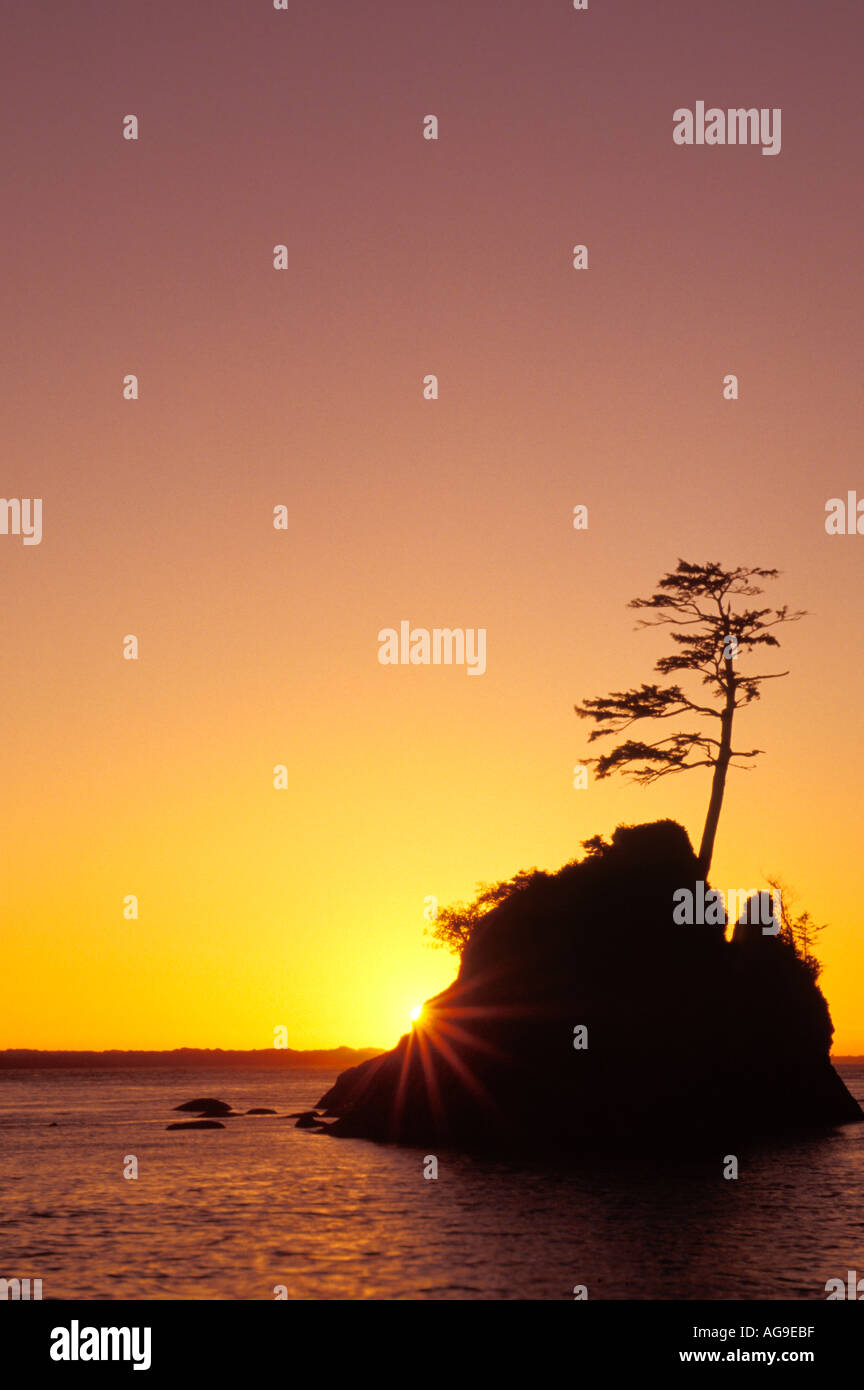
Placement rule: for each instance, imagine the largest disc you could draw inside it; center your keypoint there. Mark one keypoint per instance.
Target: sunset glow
(303, 907)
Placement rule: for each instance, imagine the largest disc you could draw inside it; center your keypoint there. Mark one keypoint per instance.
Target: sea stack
(584, 1015)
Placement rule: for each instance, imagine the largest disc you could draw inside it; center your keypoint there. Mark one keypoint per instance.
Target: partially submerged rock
(206, 1106)
(307, 1120)
(196, 1124)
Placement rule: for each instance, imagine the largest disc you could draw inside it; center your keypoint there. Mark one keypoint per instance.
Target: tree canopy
(707, 605)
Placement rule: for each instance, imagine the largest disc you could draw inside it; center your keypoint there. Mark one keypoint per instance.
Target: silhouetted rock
(260, 1110)
(691, 1037)
(307, 1120)
(196, 1124)
(207, 1106)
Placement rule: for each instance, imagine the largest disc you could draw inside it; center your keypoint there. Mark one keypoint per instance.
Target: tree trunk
(718, 785)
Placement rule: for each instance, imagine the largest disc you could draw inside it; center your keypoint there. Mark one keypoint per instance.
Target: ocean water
(235, 1213)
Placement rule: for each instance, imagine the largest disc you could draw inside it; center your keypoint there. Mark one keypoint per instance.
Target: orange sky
(304, 387)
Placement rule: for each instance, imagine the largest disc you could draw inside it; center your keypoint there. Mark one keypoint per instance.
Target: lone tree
(702, 599)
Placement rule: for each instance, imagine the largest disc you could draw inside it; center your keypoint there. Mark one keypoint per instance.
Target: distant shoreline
(267, 1058)
(271, 1058)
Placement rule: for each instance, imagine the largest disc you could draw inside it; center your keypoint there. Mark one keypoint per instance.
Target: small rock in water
(260, 1110)
(207, 1106)
(196, 1124)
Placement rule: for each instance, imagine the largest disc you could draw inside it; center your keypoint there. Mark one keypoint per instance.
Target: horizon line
(104, 1051)
(236, 1051)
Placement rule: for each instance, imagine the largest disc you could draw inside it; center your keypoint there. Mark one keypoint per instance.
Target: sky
(303, 907)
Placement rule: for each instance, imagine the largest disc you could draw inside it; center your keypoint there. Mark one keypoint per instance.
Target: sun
(416, 1012)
